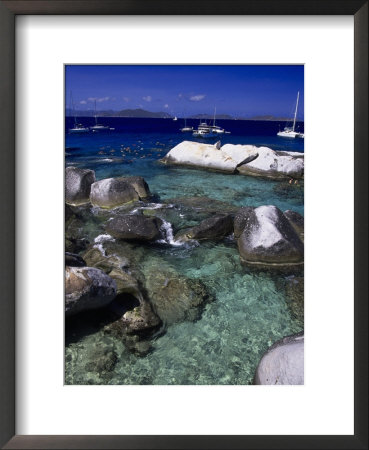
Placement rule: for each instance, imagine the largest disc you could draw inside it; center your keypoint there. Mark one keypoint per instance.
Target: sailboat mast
(73, 111)
(95, 114)
(297, 104)
(215, 110)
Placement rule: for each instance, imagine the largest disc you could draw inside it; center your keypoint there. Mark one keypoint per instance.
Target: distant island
(164, 115)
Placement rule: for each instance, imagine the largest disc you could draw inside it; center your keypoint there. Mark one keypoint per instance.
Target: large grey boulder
(135, 227)
(208, 156)
(273, 164)
(113, 192)
(265, 237)
(78, 185)
(297, 221)
(283, 363)
(215, 227)
(87, 288)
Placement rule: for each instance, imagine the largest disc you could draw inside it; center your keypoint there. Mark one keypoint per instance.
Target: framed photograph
(170, 261)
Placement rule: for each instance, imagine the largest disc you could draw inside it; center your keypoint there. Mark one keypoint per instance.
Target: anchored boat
(290, 132)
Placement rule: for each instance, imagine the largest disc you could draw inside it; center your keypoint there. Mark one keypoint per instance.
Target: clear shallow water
(250, 310)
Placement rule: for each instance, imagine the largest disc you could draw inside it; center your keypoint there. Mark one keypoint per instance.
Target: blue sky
(238, 90)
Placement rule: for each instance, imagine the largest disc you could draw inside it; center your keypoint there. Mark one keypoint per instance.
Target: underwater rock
(283, 363)
(78, 185)
(267, 238)
(174, 297)
(272, 164)
(112, 192)
(215, 227)
(204, 204)
(73, 260)
(140, 320)
(207, 156)
(101, 359)
(135, 227)
(297, 222)
(87, 288)
(294, 288)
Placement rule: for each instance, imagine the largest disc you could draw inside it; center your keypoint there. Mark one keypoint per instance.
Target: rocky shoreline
(140, 300)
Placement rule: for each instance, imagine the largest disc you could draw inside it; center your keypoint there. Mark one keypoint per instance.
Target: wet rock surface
(297, 222)
(134, 227)
(114, 192)
(267, 238)
(87, 288)
(215, 227)
(78, 185)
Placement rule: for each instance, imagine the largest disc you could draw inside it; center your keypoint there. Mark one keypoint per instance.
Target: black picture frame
(8, 11)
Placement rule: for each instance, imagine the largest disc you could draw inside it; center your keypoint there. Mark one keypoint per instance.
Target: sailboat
(78, 127)
(98, 126)
(290, 132)
(186, 129)
(214, 128)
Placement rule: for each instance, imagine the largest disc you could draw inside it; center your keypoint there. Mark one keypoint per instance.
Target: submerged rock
(135, 227)
(265, 237)
(175, 298)
(139, 320)
(113, 192)
(294, 288)
(78, 185)
(272, 164)
(297, 222)
(87, 288)
(208, 156)
(215, 227)
(283, 363)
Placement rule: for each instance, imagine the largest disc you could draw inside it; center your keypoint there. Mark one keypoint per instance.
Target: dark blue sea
(251, 309)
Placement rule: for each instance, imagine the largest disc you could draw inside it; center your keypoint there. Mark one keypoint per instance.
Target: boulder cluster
(143, 297)
(242, 159)
(81, 187)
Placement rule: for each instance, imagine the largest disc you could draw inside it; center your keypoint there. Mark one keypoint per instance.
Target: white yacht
(78, 127)
(98, 126)
(204, 131)
(289, 132)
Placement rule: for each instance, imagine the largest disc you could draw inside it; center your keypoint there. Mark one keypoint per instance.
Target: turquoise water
(249, 309)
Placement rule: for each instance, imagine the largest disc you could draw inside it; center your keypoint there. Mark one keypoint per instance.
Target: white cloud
(148, 98)
(166, 105)
(197, 98)
(83, 102)
(99, 100)
(126, 99)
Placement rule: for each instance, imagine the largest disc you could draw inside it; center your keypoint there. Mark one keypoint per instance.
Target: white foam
(99, 240)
